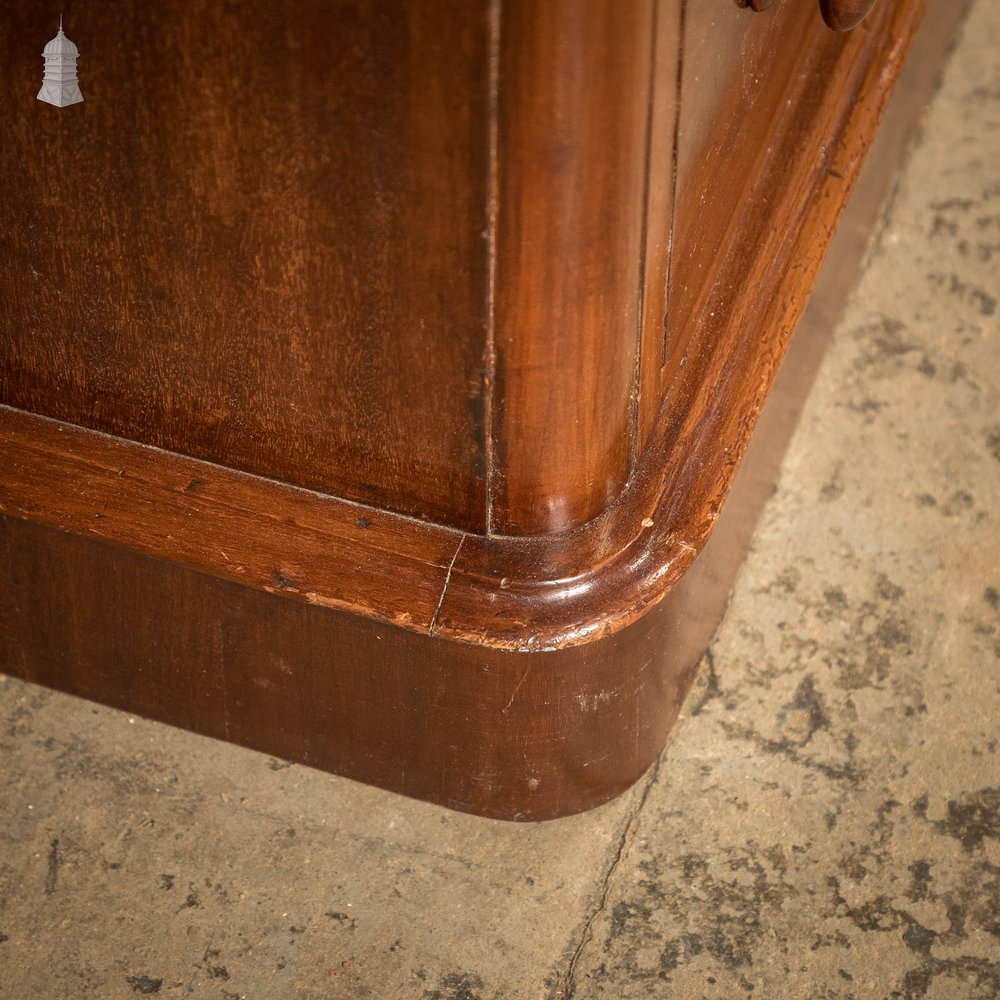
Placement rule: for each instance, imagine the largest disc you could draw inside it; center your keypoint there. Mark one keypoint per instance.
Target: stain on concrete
(833, 488)
(145, 985)
(801, 717)
(921, 873)
(993, 442)
(52, 867)
(706, 684)
(985, 303)
(456, 986)
(971, 818)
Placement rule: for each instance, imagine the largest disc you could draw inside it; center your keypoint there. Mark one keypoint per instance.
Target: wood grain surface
(259, 240)
(842, 15)
(425, 268)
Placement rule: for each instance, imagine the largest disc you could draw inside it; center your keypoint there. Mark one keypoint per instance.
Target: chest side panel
(258, 240)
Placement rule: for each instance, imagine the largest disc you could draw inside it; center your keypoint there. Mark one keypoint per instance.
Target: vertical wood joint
(492, 209)
(643, 239)
(674, 160)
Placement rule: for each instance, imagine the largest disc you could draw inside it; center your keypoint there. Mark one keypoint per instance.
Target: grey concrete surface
(824, 822)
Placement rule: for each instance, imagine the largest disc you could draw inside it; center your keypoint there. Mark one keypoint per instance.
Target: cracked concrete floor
(824, 823)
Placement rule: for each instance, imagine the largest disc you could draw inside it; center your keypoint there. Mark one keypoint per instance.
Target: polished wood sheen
(574, 92)
(375, 418)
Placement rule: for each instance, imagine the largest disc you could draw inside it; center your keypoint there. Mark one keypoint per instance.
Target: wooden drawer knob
(842, 15)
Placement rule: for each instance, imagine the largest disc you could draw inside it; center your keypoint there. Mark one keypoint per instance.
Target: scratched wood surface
(737, 91)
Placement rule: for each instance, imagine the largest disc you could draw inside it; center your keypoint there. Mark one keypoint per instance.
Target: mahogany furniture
(372, 374)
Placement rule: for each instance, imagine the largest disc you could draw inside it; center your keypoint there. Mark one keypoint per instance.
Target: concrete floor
(824, 823)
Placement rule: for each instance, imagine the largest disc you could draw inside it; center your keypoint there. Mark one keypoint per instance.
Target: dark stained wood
(119, 629)
(522, 677)
(574, 94)
(11, 650)
(734, 90)
(587, 583)
(259, 240)
(756, 188)
(842, 15)
(717, 42)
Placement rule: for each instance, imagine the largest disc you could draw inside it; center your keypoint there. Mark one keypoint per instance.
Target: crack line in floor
(569, 979)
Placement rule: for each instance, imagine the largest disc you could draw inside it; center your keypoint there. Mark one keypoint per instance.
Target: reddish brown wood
(514, 676)
(574, 94)
(263, 534)
(259, 240)
(742, 73)
(582, 584)
(707, 585)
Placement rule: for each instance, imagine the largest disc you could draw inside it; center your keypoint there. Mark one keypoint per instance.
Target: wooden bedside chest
(372, 373)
